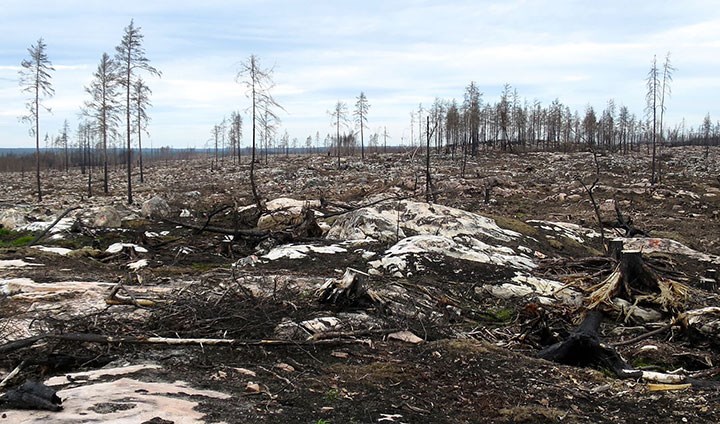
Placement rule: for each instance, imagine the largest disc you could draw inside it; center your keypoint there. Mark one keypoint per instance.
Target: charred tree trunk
(583, 348)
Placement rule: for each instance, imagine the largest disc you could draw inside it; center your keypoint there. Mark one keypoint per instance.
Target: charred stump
(583, 348)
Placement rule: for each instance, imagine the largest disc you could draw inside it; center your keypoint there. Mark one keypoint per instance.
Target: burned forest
(501, 287)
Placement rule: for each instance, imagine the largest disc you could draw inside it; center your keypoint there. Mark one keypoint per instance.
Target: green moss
(10, 238)
(515, 225)
(504, 314)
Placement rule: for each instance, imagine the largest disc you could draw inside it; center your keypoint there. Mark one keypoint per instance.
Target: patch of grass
(10, 238)
(467, 346)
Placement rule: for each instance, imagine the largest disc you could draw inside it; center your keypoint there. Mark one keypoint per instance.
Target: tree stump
(584, 349)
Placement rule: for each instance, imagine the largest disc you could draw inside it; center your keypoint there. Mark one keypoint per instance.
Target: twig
(642, 336)
(211, 215)
(348, 334)
(12, 375)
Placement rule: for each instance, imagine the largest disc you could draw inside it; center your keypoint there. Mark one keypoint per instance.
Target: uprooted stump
(584, 349)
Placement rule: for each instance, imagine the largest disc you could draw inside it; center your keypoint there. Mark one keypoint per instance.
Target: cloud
(400, 53)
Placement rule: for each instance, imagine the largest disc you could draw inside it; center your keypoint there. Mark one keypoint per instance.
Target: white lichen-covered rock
(360, 225)
(284, 212)
(380, 222)
(107, 217)
(651, 245)
(566, 229)
(546, 291)
(299, 251)
(119, 398)
(466, 248)
(12, 219)
(157, 207)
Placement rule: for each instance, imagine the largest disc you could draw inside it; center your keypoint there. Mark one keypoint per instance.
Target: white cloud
(400, 53)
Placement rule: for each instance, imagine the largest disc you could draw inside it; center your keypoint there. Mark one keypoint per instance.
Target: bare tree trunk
(129, 147)
(139, 129)
(37, 142)
(256, 198)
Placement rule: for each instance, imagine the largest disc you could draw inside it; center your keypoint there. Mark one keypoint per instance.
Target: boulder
(106, 216)
(12, 218)
(156, 207)
(364, 224)
(284, 212)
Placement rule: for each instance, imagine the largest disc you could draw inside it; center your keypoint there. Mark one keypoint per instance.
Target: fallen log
(54, 223)
(218, 230)
(168, 341)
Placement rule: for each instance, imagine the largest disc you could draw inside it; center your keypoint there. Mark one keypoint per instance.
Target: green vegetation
(515, 225)
(9, 238)
(332, 395)
(504, 314)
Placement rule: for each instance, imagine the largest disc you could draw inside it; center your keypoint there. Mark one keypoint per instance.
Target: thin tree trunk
(142, 179)
(37, 140)
(256, 198)
(129, 147)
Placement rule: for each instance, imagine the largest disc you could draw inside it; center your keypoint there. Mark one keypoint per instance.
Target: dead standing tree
(130, 57)
(429, 195)
(35, 79)
(339, 116)
(258, 82)
(103, 106)
(361, 109)
(591, 195)
(141, 102)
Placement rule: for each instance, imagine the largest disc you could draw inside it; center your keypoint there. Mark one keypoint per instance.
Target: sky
(400, 53)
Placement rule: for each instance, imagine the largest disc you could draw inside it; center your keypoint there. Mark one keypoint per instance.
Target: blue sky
(399, 52)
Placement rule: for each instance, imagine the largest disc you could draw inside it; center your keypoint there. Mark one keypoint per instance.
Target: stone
(107, 217)
(156, 207)
(284, 212)
(11, 219)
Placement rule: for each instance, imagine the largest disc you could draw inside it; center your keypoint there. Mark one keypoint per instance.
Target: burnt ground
(477, 361)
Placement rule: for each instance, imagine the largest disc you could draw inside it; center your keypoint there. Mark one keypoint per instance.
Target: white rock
(283, 212)
(12, 219)
(107, 217)
(156, 207)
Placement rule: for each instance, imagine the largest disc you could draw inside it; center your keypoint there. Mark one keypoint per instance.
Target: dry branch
(54, 223)
(167, 341)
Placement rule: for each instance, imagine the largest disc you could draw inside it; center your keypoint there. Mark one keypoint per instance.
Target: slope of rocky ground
(351, 298)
